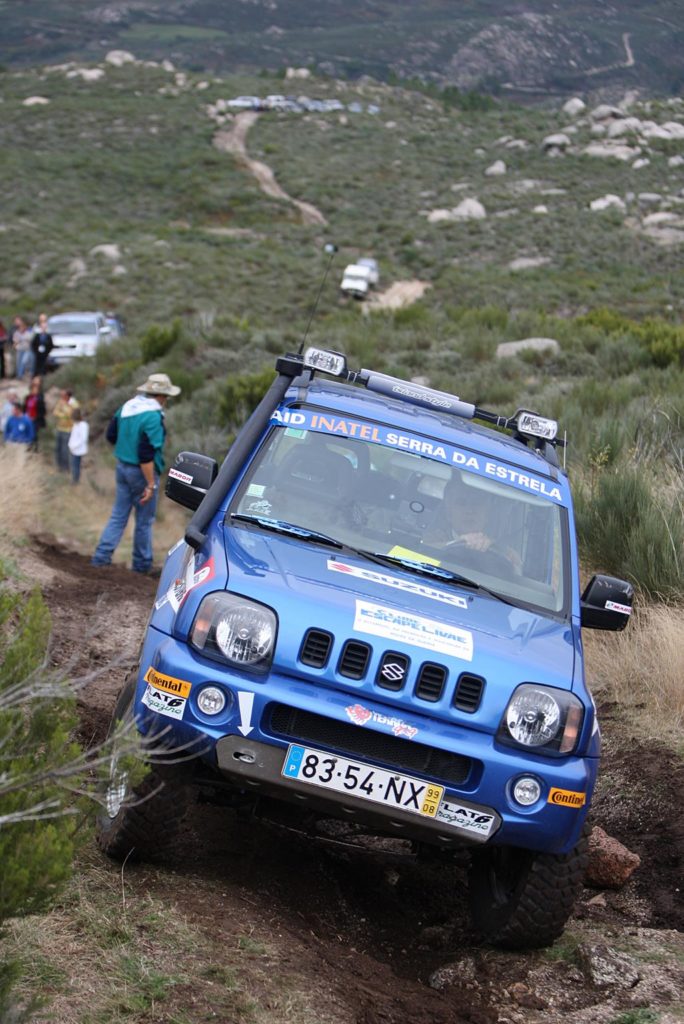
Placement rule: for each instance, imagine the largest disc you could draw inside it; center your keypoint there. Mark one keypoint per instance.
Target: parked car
(77, 334)
(356, 280)
(334, 637)
(368, 261)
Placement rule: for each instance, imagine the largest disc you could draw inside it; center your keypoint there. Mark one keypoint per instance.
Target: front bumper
(485, 785)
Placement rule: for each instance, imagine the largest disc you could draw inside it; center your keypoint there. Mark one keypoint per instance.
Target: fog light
(211, 701)
(526, 791)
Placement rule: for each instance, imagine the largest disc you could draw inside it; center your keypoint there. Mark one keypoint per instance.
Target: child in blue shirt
(19, 428)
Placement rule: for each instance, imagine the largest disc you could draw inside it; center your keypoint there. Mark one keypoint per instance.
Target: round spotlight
(211, 701)
(526, 791)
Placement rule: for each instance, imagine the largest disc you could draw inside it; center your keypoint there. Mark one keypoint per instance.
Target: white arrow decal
(246, 702)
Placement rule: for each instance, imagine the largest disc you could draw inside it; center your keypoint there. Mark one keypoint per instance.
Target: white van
(368, 261)
(356, 281)
(76, 334)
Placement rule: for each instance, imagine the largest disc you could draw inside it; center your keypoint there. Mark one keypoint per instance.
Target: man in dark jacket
(137, 432)
(41, 345)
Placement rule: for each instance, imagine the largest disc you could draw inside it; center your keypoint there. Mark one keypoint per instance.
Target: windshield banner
(377, 433)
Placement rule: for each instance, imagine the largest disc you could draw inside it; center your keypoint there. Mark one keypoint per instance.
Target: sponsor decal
(613, 606)
(408, 586)
(170, 684)
(344, 426)
(416, 630)
(360, 715)
(567, 798)
(185, 478)
(182, 585)
(468, 818)
(165, 695)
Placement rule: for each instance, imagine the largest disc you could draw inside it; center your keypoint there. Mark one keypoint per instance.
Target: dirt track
(362, 934)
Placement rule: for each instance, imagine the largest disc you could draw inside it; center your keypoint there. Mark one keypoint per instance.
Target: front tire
(522, 900)
(141, 819)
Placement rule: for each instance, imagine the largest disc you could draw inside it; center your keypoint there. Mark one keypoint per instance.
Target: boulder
(675, 161)
(611, 864)
(117, 58)
(641, 162)
(558, 140)
(616, 151)
(574, 106)
(607, 202)
(541, 208)
(528, 262)
(461, 973)
(507, 349)
(469, 209)
(297, 73)
(604, 112)
(87, 74)
(517, 144)
(607, 968)
(662, 217)
(35, 101)
(497, 168)
(649, 198)
(110, 252)
(622, 126)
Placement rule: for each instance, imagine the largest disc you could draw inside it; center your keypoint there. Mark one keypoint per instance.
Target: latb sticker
(178, 687)
(567, 798)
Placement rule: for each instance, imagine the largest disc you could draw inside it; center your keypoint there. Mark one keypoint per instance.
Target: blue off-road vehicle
(375, 616)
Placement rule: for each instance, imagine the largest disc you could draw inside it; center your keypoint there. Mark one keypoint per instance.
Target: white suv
(76, 334)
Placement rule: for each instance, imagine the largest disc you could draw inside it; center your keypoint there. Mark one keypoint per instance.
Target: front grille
(354, 660)
(316, 647)
(402, 755)
(431, 680)
(468, 693)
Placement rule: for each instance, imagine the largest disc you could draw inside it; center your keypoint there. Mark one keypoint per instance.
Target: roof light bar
(439, 401)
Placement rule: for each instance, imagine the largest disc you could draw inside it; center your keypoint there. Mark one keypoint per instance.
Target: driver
(468, 517)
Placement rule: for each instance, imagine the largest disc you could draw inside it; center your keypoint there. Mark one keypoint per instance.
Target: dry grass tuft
(643, 666)
(22, 494)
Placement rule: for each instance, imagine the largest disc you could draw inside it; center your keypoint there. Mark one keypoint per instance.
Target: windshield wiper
(428, 569)
(279, 526)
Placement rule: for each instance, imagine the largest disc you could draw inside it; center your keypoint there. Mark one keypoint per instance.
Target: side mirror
(606, 603)
(189, 479)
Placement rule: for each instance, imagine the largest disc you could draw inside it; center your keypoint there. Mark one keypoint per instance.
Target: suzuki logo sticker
(393, 671)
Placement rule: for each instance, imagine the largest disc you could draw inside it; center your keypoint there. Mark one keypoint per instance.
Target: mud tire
(522, 900)
(152, 811)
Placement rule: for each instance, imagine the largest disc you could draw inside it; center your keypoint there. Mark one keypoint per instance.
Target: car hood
(313, 587)
(74, 339)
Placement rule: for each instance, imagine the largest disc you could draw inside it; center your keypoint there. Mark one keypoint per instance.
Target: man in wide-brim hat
(137, 432)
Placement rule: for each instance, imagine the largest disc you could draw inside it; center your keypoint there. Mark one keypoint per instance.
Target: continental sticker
(403, 627)
(567, 798)
(165, 695)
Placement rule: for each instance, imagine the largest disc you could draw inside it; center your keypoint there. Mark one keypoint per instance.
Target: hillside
(529, 50)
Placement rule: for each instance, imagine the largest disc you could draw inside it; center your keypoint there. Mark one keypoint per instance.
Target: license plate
(329, 771)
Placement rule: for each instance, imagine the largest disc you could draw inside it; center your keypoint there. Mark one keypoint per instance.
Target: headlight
(546, 720)
(236, 630)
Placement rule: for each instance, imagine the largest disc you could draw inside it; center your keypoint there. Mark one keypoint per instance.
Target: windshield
(410, 507)
(59, 326)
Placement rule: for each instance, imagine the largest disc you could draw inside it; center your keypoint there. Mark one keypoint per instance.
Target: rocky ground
(370, 935)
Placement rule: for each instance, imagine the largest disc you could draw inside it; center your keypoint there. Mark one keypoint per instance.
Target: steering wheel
(495, 559)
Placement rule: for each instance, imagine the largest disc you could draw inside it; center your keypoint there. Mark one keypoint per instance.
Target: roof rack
(525, 426)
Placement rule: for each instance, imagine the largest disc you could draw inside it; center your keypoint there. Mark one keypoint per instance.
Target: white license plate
(330, 771)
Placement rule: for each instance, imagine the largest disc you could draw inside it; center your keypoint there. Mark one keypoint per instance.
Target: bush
(241, 395)
(158, 341)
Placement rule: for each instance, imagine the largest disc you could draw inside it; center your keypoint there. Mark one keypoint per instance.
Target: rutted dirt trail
(234, 142)
(361, 931)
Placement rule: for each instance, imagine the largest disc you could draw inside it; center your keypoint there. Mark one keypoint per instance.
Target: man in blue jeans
(137, 432)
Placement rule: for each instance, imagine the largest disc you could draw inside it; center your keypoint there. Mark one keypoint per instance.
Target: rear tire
(522, 900)
(141, 820)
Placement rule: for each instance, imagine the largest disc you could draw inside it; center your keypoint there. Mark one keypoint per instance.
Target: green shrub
(628, 525)
(241, 395)
(158, 341)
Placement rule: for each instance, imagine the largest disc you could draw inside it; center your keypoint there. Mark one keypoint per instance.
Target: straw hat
(159, 384)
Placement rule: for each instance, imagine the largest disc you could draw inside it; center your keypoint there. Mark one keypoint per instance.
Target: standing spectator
(21, 340)
(66, 403)
(138, 433)
(41, 345)
(4, 339)
(34, 407)
(78, 443)
(7, 409)
(19, 428)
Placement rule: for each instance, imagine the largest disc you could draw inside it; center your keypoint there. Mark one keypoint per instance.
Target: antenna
(331, 249)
